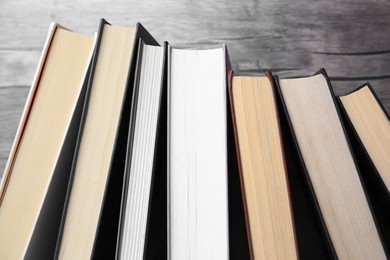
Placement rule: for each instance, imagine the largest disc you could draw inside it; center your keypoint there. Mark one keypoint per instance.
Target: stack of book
(127, 149)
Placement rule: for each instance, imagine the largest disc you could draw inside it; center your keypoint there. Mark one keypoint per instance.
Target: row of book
(131, 150)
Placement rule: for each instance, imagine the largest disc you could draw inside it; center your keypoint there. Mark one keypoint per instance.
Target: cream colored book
(97, 142)
(263, 172)
(330, 167)
(91, 218)
(372, 126)
(35, 179)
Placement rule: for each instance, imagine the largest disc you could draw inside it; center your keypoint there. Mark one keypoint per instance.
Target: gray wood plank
(12, 101)
(18, 67)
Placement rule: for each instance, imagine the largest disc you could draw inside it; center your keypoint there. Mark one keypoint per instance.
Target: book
(33, 188)
(371, 123)
(367, 123)
(197, 154)
(312, 244)
(329, 167)
(142, 153)
(311, 240)
(91, 217)
(157, 229)
(263, 173)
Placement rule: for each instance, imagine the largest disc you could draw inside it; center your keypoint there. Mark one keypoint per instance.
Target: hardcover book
(34, 186)
(143, 164)
(198, 223)
(330, 168)
(367, 123)
(91, 216)
(263, 173)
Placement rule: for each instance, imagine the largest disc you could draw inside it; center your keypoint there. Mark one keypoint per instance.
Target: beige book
(35, 179)
(263, 172)
(372, 126)
(97, 142)
(331, 168)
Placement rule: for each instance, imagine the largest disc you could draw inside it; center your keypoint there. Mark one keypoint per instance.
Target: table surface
(349, 38)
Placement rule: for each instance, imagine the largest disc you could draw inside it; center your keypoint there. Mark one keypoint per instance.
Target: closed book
(312, 243)
(330, 168)
(142, 229)
(263, 172)
(90, 220)
(198, 223)
(35, 180)
(367, 124)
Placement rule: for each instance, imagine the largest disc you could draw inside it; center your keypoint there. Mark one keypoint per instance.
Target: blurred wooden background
(349, 38)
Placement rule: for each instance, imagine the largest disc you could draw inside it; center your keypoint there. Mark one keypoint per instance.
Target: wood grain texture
(350, 39)
(11, 106)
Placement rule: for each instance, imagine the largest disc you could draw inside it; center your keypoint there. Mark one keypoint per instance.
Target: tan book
(371, 123)
(35, 179)
(368, 127)
(115, 50)
(91, 216)
(263, 173)
(329, 166)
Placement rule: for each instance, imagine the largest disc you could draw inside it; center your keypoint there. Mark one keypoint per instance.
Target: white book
(197, 155)
(141, 154)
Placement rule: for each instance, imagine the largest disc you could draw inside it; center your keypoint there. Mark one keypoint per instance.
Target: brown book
(263, 174)
(35, 179)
